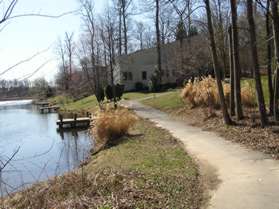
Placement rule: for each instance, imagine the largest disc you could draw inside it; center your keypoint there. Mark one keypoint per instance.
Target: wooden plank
(42, 103)
(49, 108)
(71, 120)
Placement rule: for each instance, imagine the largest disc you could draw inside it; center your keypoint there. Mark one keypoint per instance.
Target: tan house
(141, 65)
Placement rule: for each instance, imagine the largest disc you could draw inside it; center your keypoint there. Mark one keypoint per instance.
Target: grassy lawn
(147, 169)
(135, 95)
(165, 102)
(68, 104)
(140, 95)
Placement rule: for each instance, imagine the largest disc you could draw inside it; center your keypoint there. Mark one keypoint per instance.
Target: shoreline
(139, 170)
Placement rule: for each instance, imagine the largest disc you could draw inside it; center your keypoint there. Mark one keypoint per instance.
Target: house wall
(146, 60)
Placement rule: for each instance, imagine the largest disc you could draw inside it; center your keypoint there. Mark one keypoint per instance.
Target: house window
(130, 76)
(127, 76)
(167, 73)
(144, 75)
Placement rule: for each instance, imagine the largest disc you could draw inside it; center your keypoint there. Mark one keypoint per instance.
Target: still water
(42, 151)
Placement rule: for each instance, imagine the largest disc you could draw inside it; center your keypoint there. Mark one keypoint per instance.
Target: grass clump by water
(146, 169)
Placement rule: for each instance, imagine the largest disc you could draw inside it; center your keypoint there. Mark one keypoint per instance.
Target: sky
(23, 37)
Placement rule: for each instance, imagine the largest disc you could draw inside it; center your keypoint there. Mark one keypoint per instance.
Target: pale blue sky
(25, 36)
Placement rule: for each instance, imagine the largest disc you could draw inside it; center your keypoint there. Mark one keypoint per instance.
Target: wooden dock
(42, 104)
(75, 122)
(49, 109)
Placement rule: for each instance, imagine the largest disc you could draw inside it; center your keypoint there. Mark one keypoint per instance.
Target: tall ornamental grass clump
(248, 94)
(114, 123)
(204, 92)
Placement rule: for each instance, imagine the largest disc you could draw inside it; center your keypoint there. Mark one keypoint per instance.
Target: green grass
(67, 104)
(141, 95)
(264, 80)
(148, 169)
(61, 100)
(86, 103)
(135, 95)
(165, 102)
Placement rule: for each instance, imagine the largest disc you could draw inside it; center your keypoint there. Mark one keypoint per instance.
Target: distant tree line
(39, 88)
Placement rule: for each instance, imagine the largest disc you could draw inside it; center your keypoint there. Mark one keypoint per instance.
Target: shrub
(155, 82)
(119, 90)
(204, 92)
(139, 86)
(100, 95)
(109, 92)
(114, 123)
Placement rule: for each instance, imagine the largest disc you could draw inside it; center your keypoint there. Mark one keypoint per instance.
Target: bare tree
(226, 116)
(89, 21)
(140, 33)
(108, 33)
(275, 23)
(158, 40)
(69, 47)
(123, 10)
(237, 72)
(269, 57)
(232, 102)
(61, 52)
(254, 52)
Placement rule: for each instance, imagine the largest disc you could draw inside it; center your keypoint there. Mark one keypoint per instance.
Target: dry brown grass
(204, 92)
(113, 123)
(248, 95)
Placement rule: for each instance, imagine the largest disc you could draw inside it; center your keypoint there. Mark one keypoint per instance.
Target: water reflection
(44, 152)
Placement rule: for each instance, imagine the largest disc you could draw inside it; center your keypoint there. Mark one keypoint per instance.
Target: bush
(114, 123)
(155, 82)
(119, 90)
(139, 86)
(204, 92)
(109, 92)
(167, 86)
(100, 95)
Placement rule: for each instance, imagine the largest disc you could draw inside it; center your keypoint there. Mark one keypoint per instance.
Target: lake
(43, 152)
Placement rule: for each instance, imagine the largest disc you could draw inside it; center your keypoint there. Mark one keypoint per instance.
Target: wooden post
(61, 121)
(75, 120)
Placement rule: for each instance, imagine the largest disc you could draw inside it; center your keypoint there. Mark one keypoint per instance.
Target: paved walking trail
(249, 179)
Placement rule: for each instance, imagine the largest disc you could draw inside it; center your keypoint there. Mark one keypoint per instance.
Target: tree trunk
(269, 59)
(274, 8)
(237, 74)
(226, 116)
(254, 52)
(124, 17)
(232, 95)
(222, 45)
(158, 39)
(120, 29)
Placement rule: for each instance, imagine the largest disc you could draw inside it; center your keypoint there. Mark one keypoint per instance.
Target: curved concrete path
(249, 179)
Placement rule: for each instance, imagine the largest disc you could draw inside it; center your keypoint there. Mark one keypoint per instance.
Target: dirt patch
(247, 132)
